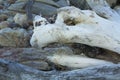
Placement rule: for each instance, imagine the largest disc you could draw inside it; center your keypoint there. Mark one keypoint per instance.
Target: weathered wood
(102, 8)
(79, 26)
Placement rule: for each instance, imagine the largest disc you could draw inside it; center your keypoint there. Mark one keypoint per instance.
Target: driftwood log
(99, 28)
(78, 26)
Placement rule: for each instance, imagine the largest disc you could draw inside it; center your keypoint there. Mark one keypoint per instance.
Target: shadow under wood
(95, 52)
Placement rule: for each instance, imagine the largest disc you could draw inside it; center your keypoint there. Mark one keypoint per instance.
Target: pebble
(20, 19)
(4, 24)
(3, 17)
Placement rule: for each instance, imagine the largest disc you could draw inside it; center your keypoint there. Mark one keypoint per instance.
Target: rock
(9, 13)
(3, 17)
(10, 19)
(14, 38)
(49, 2)
(42, 58)
(17, 6)
(63, 3)
(14, 71)
(4, 24)
(45, 7)
(35, 58)
(40, 65)
(104, 72)
(1, 1)
(112, 2)
(20, 19)
(11, 1)
(82, 4)
(1, 7)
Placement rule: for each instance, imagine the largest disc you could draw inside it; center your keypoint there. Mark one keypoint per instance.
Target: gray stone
(20, 19)
(82, 4)
(14, 38)
(104, 72)
(3, 17)
(63, 3)
(40, 65)
(10, 19)
(14, 71)
(35, 58)
(1, 1)
(4, 24)
(45, 7)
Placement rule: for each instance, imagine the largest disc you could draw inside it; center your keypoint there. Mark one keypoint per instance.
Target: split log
(78, 26)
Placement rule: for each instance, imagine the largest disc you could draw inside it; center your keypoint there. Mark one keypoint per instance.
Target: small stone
(11, 1)
(111, 2)
(1, 1)
(4, 24)
(20, 19)
(41, 65)
(14, 38)
(3, 17)
(1, 7)
(10, 19)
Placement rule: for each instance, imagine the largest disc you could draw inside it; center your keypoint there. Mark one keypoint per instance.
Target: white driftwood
(102, 8)
(89, 29)
(76, 61)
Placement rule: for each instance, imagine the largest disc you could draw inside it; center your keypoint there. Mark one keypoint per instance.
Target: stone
(82, 4)
(44, 7)
(9, 13)
(63, 3)
(4, 24)
(1, 6)
(14, 38)
(3, 17)
(104, 72)
(10, 19)
(40, 65)
(32, 57)
(11, 1)
(14, 71)
(20, 19)
(111, 2)
(1, 1)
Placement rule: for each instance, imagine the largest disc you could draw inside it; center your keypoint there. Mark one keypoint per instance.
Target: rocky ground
(15, 32)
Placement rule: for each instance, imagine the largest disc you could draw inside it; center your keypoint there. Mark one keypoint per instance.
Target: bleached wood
(102, 8)
(76, 61)
(90, 29)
